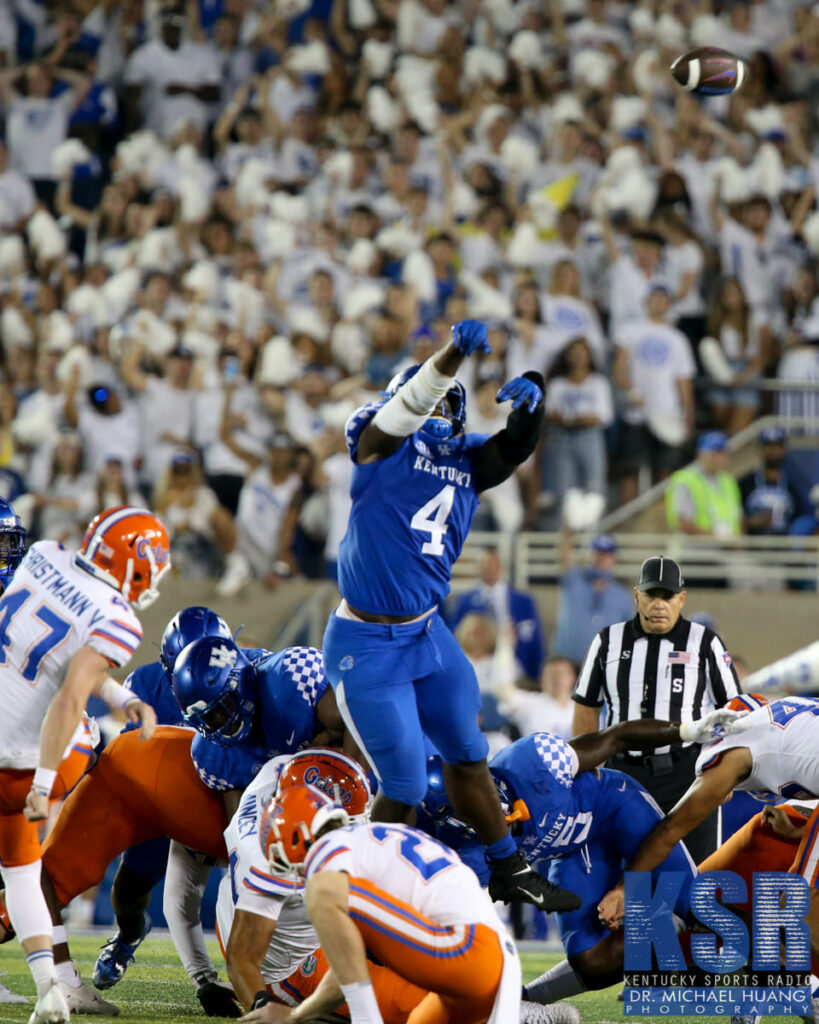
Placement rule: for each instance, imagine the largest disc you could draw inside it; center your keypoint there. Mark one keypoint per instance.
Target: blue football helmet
(214, 685)
(186, 626)
(448, 419)
(12, 542)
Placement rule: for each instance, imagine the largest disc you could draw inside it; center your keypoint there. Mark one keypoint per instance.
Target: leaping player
(397, 670)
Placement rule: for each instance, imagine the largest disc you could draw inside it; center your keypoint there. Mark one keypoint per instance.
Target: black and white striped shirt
(677, 677)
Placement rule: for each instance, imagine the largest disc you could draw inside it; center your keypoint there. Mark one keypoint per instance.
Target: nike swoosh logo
(536, 898)
(291, 737)
(542, 821)
(622, 789)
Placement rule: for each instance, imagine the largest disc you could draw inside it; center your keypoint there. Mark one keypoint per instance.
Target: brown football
(709, 71)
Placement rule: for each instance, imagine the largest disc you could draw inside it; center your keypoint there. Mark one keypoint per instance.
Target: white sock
(25, 901)
(559, 982)
(361, 1002)
(41, 965)
(67, 972)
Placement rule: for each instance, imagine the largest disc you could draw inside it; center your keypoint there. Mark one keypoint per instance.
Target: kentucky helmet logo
(222, 657)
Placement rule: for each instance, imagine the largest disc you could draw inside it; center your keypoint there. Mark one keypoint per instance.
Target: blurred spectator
(17, 196)
(632, 276)
(170, 80)
(108, 427)
(550, 709)
(335, 475)
(37, 120)
(265, 521)
(704, 498)
(167, 406)
(578, 409)
(68, 500)
(201, 530)
(508, 607)
(769, 500)
(113, 487)
(745, 338)
(488, 652)
(589, 598)
(654, 367)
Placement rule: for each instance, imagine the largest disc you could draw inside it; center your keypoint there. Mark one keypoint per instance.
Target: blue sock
(501, 848)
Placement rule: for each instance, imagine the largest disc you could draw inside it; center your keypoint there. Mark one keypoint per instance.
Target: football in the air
(709, 71)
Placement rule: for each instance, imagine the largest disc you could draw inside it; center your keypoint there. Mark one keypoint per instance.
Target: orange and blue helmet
(334, 773)
(290, 824)
(129, 549)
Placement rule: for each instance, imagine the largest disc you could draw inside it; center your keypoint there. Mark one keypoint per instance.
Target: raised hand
(470, 336)
(521, 391)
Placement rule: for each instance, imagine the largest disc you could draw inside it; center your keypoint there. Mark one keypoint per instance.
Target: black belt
(657, 764)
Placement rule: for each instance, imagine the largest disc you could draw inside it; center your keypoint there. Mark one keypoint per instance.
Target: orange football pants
(137, 790)
(459, 966)
(19, 838)
(756, 847)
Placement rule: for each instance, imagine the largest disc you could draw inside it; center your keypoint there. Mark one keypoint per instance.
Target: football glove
(470, 336)
(218, 999)
(713, 727)
(521, 391)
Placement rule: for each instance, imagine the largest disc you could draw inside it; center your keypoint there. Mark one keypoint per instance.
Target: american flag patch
(680, 657)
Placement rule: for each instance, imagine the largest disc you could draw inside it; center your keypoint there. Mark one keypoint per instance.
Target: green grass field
(156, 988)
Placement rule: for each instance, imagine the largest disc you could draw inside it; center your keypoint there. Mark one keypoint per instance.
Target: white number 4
(431, 519)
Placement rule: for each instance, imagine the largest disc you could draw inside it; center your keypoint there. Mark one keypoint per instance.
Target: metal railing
(747, 562)
(654, 494)
(306, 625)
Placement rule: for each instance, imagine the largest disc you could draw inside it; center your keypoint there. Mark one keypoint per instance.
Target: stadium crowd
(225, 224)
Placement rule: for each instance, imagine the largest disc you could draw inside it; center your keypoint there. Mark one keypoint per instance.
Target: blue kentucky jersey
(410, 517)
(290, 684)
(150, 683)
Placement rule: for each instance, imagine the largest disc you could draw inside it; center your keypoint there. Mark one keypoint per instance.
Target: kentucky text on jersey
(448, 473)
(55, 583)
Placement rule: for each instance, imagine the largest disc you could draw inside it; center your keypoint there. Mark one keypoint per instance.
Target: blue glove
(521, 391)
(470, 336)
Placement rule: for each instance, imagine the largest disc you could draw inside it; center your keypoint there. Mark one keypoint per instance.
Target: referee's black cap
(661, 573)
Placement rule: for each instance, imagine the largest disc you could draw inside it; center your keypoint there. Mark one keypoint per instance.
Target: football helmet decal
(128, 548)
(213, 683)
(334, 773)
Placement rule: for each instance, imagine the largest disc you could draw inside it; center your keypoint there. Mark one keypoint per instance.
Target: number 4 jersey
(410, 517)
(51, 610)
(783, 738)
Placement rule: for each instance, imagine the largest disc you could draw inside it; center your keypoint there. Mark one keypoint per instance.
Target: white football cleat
(9, 998)
(84, 999)
(552, 1013)
(51, 1008)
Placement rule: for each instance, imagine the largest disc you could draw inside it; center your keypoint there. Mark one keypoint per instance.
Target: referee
(658, 665)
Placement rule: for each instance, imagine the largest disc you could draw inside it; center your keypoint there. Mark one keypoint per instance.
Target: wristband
(116, 695)
(43, 780)
(262, 998)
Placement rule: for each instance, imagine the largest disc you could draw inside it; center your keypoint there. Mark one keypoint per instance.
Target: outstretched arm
(595, 748)
(498, 459)
(409, 408)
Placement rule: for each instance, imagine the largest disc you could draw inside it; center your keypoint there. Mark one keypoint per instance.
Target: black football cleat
(513, 879)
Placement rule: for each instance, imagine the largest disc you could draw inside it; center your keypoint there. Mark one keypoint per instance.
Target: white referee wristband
(116, 695)
(43, 780)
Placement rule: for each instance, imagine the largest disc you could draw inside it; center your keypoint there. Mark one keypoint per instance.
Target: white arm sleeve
(185, 882)
(797, 672)
(410, 406)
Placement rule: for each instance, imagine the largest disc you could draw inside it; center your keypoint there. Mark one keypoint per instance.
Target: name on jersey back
(448, 473)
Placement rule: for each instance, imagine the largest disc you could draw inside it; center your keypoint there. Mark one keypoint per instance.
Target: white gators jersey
(783, 738)
(409, 865)
(249, 886)
(51, 609)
